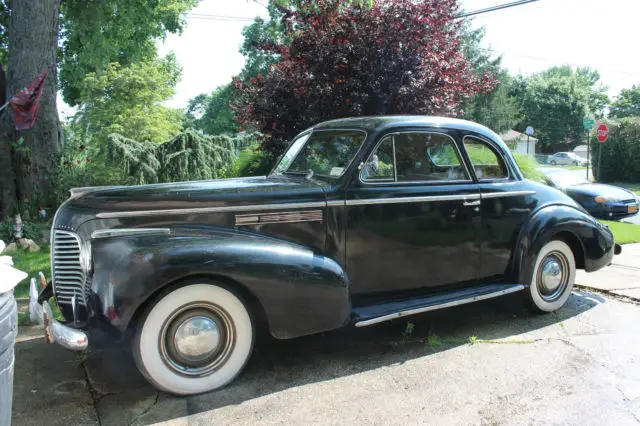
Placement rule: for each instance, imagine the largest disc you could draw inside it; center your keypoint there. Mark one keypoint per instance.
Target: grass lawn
(624, 233)
(31, 263)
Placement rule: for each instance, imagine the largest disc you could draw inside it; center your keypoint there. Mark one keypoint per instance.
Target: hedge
(620, 153)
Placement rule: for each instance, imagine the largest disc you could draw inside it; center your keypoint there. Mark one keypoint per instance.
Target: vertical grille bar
(68, 275)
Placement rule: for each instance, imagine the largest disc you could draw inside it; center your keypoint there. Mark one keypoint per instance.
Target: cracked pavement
(482, 363)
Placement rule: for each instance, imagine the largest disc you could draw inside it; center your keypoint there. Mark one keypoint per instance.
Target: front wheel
(553, 277)
(195, 339)
(553, 163)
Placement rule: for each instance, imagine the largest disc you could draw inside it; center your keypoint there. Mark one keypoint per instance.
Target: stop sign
(603, 132)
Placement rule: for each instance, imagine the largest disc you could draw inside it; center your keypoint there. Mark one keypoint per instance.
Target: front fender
(301, 292)
(596, 245)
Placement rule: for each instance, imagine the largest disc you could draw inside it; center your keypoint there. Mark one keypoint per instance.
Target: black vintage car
(362, 220)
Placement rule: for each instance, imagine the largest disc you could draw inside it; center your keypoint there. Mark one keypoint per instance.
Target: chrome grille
(68, 276)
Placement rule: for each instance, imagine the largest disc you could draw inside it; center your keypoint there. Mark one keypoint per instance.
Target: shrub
(252, 161)
(529, 167)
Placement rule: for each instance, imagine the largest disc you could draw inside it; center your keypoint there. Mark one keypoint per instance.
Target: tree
(496, 109)
(28, 157)
(211, 113)
(97, 33)
(4, 33)
(186, 156)
(127, 100)
(627, 104)
(346, 59)
(94, 34)
(556, 101)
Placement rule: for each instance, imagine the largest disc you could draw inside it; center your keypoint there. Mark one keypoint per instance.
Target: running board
(369, 315)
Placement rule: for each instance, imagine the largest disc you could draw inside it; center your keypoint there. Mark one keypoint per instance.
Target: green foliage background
(620, 153)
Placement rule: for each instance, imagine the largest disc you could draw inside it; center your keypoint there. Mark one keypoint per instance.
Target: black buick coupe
(362, 220)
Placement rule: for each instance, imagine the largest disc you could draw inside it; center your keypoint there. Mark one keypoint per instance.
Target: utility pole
(588, 150)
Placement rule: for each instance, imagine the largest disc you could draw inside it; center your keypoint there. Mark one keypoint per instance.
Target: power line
(494, 8)
(195, 15)
(548, 60)
(219, 17)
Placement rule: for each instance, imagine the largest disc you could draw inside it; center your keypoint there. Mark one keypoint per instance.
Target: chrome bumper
(54, 331)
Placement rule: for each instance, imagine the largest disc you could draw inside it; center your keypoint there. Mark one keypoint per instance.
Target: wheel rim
(553, 276)
(197, 339)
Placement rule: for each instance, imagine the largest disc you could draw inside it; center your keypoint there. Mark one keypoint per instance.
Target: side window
(486, 162)
(418, 157)
(379, 166)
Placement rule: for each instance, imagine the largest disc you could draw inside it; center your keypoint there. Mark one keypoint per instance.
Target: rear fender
(561, 221)
(300, 292)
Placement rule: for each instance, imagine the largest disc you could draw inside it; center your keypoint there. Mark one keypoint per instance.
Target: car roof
(375, 124)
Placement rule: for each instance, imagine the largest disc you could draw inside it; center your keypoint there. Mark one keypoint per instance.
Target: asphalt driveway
(484, 363)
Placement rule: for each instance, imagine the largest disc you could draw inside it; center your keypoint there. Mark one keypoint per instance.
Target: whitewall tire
(195, 339)
(553, 277)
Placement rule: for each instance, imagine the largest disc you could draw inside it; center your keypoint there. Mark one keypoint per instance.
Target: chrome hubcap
(197, 339)
(553, 276)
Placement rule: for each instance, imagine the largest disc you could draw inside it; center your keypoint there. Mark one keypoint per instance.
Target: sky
(595, 33)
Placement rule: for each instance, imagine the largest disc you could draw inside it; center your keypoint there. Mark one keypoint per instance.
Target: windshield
(325, 153)
(565, 178)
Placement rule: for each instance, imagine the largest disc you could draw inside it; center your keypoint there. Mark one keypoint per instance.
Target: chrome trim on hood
(203, 210)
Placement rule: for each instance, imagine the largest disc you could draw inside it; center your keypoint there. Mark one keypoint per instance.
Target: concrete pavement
(483, 363)
(490, 362)
(621, 278)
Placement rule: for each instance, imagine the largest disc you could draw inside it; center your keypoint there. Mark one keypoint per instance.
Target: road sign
(603, 132)
(529, 131)
(588, 124)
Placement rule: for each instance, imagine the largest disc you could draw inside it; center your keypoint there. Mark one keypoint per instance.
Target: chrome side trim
(436, 307)
(400, 200)
(336, 203)
(506, 194)
(202, 210)
(108, 233)
(279, 217)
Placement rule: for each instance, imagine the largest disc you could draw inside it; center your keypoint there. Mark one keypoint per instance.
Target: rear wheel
(553, 277)
(195, 339)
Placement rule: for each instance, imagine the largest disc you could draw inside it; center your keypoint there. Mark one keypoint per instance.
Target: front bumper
(615, 211)
(54, 331)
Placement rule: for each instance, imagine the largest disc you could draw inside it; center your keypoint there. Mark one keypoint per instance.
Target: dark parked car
(363, 220)
(601, 201)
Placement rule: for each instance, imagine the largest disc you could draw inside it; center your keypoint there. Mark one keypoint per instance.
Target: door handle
(471, 203)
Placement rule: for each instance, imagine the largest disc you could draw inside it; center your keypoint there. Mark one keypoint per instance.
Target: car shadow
(279, 365)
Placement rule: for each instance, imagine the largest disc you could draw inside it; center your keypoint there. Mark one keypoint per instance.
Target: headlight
(603, 199)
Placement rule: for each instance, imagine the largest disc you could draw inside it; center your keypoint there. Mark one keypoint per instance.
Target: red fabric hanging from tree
(24, 104)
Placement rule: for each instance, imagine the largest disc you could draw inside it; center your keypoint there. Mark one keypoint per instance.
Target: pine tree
(187, 156)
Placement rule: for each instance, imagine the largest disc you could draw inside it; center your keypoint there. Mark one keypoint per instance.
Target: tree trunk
(26, 174)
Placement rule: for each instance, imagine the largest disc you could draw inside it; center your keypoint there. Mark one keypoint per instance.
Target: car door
(412, 216)
(506, 203)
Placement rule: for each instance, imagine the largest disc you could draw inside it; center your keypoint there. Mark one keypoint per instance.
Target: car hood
(595, 189)
(105, 202)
